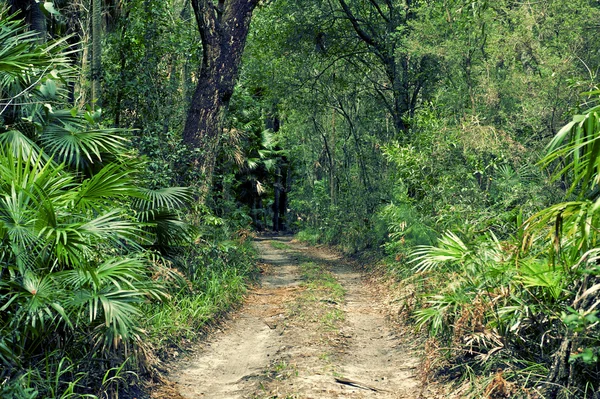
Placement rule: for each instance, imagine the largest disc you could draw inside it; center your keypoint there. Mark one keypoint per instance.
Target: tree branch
(379, 11)
(357, 28)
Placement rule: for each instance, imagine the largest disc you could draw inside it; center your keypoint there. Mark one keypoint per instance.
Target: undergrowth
(220, 279)
(199, 284)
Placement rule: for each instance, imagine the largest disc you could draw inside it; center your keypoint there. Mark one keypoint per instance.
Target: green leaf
(49, 6)
(50, 87)
(111, 181)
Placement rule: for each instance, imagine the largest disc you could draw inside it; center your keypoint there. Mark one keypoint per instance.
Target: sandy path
(230, 362)
(366, 349)
(281, 344)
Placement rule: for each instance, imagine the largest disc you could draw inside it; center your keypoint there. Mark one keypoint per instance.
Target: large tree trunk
(31, 12)
(223, 29)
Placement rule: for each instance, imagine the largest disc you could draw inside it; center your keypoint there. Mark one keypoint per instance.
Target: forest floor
(315, 327)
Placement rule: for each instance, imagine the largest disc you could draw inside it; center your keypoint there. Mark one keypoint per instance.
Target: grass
(279, 245)
(321, 282)
(308, 235)
(279, 370)
(332, 318)
(283, 370)
(182, 319)
(319, 303)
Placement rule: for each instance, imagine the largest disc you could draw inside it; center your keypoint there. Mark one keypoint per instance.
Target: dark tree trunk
(281, 188)
(277, 199)
(223, 29)
(283, 199)
(32, 14)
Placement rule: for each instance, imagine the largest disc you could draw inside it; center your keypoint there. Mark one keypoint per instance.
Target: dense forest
(143, 142)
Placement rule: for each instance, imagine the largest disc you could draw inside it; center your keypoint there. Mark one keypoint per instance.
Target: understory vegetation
(140, 149)
(102, 272)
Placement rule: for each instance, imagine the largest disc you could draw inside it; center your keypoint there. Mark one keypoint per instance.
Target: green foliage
(215, 276)
(74, 225)
(149, 58)
(411, 127)
(542, 288)
(493, 81)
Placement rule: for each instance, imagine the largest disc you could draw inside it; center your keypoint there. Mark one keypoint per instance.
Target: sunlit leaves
(31, 73)
(450, 249)
(114, 180)
(539, 273)
(163, 198)
(21, 146)
(577, 148)
(76, 141)
(573, 225)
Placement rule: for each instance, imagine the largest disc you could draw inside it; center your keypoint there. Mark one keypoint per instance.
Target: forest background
(143, 141)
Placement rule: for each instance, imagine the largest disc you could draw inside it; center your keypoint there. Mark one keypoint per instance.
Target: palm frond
(108, 295)
(17, 43)
(166, 228)
(36, 302)
(70, 138)
(26, 69)
(111, 226)
(170, 198)
(576, 222)
(540, 273)
(41, 179)
(120, 317)
(450, 249)
(18, 218)
(578, 142)
(69, 245)
(20, 145)
(111, 181)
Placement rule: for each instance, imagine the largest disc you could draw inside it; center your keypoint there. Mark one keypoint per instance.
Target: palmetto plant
(68, 255)
(569, 231)
(75, 223)
(32, 75)
(543, 289)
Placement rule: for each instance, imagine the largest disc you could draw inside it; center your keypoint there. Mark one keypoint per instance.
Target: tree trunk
(223, 29)
(276, 200)
(32, 14)
(332, 170)
(283, 199)
(96, 50)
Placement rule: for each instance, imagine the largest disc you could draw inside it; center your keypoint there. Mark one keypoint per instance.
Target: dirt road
(314, 329)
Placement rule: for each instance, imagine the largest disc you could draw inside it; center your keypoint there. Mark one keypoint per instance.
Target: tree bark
(277, 198)
(96, 51)
(32, 14)
(223, 30)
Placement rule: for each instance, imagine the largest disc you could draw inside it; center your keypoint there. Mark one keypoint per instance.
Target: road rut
(291, 340)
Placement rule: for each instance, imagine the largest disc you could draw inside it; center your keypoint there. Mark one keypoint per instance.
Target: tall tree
(223, 28)
(96, 49)
(383, 26)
